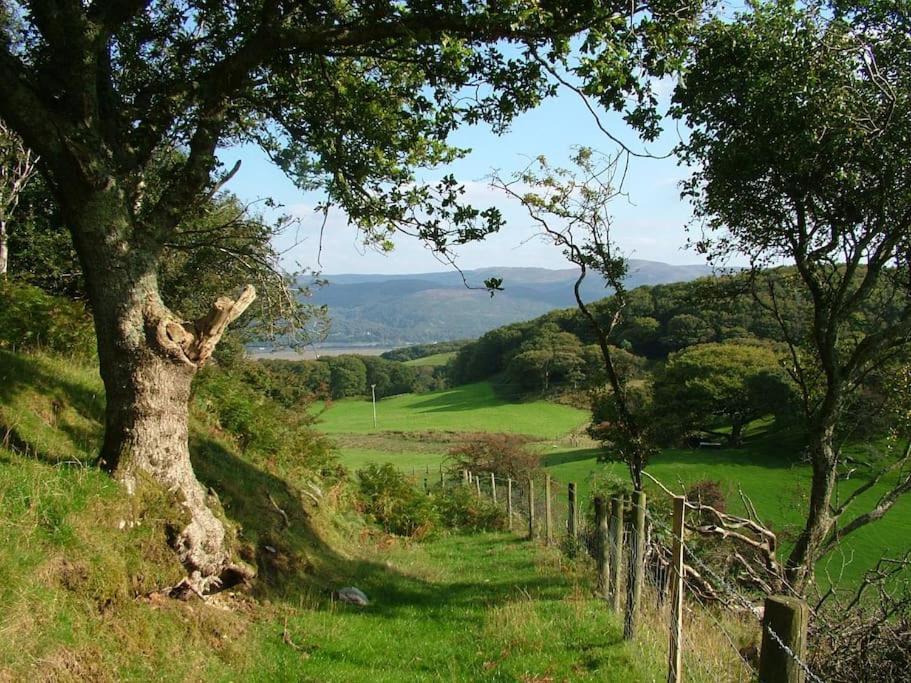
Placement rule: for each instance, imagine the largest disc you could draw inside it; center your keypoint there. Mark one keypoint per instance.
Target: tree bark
(801, 562)
(148, 359)
(737, 433)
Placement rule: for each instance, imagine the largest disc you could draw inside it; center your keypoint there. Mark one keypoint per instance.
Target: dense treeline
(335, 377)
(559, 347)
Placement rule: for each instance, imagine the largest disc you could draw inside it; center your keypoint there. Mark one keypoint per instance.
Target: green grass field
(469, 408)
(768, 468)
(433, 361)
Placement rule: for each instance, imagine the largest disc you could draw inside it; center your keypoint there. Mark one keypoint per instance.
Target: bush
(31, 319)
(708, 493)
(503, 454)
(460, 508)
(393, 503)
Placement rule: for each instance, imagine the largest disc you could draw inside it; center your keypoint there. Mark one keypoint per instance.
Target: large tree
(800, 118)
(730, 384)
(349, 97)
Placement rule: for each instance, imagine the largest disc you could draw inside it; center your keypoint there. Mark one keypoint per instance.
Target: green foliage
(31, 319)
(394, 503)
(462, 509)
(730, 383)
(262, 428)
(347, 377)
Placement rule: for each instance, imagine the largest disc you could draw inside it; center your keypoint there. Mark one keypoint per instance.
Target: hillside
(422, 307)
(83, 585)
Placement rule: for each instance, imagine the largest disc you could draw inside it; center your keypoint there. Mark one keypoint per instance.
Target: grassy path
(461, 608)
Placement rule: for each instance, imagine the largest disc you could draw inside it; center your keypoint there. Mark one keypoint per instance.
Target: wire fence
(682, 599)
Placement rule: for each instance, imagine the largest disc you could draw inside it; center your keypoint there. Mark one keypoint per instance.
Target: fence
(681, 601)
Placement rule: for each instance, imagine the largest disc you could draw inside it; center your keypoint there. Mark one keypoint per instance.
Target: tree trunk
(802, 561)
(148, 360)
(4, 249)
(737, 433)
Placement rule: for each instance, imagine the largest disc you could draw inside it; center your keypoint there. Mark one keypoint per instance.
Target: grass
(432, 361)
(83, 565)
(468, 408)
(765, 469)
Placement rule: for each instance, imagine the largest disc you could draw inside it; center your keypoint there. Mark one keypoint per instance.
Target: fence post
(426, 485)
(531, 509)
(548, 519)
(442, 481)
(675, 650)
(493, 487)
(477, 484)
(465, 479)
(509, 501)
(571, 497)
(636, 568)
(601, 546)
(616, 550)
(787, 618)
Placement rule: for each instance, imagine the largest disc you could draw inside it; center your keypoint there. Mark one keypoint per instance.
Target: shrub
(31, 319)
(503, 454)
(460, 508)
(393, 503)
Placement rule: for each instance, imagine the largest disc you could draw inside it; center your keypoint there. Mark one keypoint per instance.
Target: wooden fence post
(477, 484)
(442, 480)
(602, 546)
(493, 487)
(548, 519)
(531, 509)
(787, 618)
(465, 479)
(675, 649)
(509, 501)
(573, 523)
(616, 551)
(636, 565)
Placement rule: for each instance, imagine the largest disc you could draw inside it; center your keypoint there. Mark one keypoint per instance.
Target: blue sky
(650, 225)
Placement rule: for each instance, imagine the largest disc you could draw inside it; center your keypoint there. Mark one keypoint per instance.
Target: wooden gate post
(636, 565)
(787, 618)
(531, 509)
(509, 501)
(602, 546)
(571, 514)
(675, 649)
(548, 519)
(616, 551)
(493, 487)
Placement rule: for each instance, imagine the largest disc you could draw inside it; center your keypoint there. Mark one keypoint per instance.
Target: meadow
(415, 433)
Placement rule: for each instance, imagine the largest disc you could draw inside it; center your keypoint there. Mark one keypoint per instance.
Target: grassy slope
(433, 361)
(473, 407)
(82, 562)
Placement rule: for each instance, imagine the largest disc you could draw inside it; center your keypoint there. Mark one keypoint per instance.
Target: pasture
(416, 431)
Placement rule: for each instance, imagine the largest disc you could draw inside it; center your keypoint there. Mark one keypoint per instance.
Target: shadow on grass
(296, 565)
(22, 373)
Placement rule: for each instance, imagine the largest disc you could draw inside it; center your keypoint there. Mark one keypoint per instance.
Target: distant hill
(393, 310)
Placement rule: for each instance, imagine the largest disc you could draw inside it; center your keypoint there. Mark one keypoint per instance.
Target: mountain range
(395, 310)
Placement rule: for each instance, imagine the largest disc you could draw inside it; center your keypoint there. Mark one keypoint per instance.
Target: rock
(351, 595)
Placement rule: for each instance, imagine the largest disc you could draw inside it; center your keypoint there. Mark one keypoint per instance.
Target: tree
(347, 376)
(17, 166)
(570, 207)
(800, 118)
(736, 383)
(350, 98)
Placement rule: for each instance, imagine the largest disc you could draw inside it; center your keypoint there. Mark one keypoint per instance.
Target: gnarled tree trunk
(148, 359)
(801, 562)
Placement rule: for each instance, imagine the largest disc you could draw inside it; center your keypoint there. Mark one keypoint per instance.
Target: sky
(649, 225)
